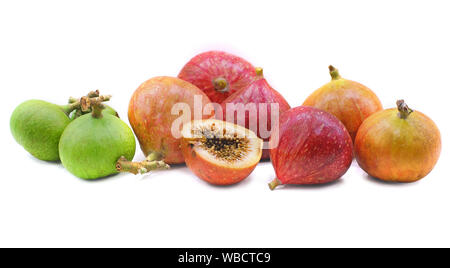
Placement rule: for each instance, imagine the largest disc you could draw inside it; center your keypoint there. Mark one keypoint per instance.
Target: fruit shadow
(180, 167)
(40, 162)
(382, 182)
(184, 169)
(244, 182)
(335, 183)
(59, 165)
(108, 178)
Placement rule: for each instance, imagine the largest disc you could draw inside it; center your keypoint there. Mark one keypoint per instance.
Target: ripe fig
(351, 102)
(398, 145)
(91, 145)
(311, 146)
(220, 152)
(151, 116)
(37, 125)
(252, 108)
(218, 74)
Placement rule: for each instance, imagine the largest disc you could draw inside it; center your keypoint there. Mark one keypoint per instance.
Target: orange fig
(398, 145)
(151, 116)
(350, 101)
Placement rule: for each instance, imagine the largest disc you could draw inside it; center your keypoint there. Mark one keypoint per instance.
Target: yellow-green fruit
(37, 125)
(91, 145)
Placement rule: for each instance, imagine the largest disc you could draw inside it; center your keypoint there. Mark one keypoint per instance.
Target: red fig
(152, 115)
(256, 107)
(311, 146)
(218, 74)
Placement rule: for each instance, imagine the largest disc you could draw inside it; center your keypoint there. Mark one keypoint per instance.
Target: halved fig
(220, 152)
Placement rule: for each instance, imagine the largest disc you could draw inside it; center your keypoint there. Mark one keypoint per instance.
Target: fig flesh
(220, 152)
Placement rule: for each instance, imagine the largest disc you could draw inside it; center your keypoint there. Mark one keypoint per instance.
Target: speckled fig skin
(38, 125)
(397, 149)
(259, 91)
(90, 146)
(314, 147)
(350, 101)
(218, 74)
(149, 113)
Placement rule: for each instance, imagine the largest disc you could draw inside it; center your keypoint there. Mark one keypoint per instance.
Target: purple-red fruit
(218, 74)
(256, 107)
(311, 146)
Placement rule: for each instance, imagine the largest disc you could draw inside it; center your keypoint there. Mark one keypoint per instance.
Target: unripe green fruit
(37, 125)
(91, 145)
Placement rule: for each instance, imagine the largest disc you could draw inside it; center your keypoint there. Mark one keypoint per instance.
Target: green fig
(91, 145)
(37, 125)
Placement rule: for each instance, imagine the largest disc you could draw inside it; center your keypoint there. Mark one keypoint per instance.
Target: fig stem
(403, 109)
(91, 94)
(124, 165)
(87, 103)
(97, 108)
(259, 71)
(154, 156)
(334, 73)
(273, 184)
(84, 103)
(220, 84)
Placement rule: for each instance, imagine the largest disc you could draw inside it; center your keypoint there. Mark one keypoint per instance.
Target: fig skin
(350, 101)
(258, 92)
(314, 148)
(218, 74)
(149, 113)
(90, 146)
(38, 125)
(396, 149)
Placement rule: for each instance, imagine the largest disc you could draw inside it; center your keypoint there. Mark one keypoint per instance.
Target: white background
(51, 50)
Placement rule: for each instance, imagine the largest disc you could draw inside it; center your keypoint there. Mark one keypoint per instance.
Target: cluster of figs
(311, 144)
